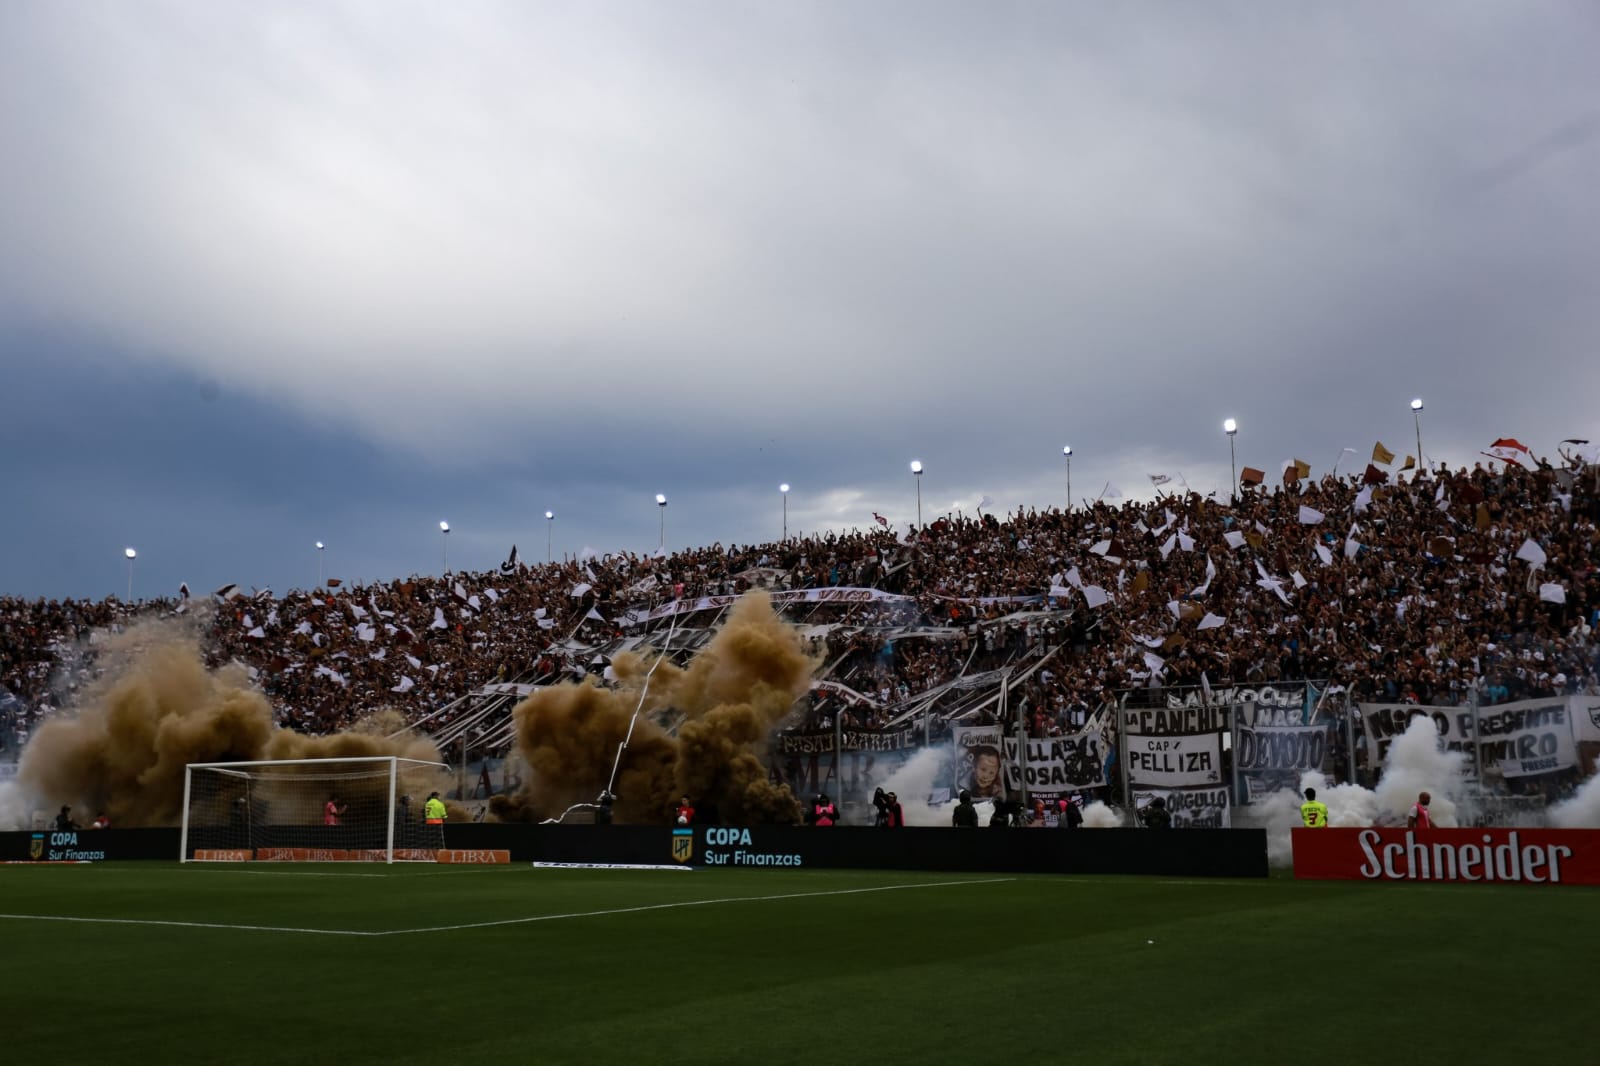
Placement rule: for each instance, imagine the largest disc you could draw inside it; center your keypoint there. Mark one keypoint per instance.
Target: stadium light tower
(1066, 451)
(661, 505)
(321, 547)
(1416, 416)
(132, 555)
(916, 474)
(784, 491)
(444, 534)
(1231, 428)
(549, 534)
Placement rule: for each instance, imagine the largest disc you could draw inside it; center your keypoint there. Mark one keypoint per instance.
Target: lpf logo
(36, 846)
(682, 845)
(1594, 714)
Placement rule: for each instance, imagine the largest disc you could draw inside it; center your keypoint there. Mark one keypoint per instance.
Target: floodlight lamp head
(1416, 404)
(1066, 450)
(661, 499)
(916, 467)
(320, 545)
(784, 488)
(1230, 427)
(444, 527)
(551, 515)
(130, 553)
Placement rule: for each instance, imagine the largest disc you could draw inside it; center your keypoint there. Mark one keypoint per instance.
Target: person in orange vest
(1418, 818)
(685, 812)
(823, 811)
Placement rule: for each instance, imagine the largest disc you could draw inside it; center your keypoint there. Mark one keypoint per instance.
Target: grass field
(414, 964)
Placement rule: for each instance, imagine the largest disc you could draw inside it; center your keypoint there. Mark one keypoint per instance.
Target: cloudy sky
(273, 273)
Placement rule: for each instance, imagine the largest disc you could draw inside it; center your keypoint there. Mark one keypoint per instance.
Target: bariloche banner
(1518, 739)
(1176, 753)
(1268, 758)
(1051, 767)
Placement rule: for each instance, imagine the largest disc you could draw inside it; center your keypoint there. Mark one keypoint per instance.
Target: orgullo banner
(1050, 767)
(1191, 808)
(1484, 856)
(1268, 758)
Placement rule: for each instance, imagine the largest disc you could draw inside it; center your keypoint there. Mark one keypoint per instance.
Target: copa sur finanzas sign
(1482, 856)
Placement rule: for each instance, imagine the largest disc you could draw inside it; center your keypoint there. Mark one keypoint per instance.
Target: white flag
(1155, 662)
(365, 632)
(1234, 538)
(1531, 553)
(1211, 572)
(1363, 500)
(405, 685)
(1299, 581)
(1211, 621)
(1325, 555)
(1310, 516)
(438, 619)
(1168, 544)
(1095, 596)
(1185, 542)
(1553, 592)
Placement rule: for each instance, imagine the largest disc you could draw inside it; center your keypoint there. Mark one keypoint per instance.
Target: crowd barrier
(1176, 853)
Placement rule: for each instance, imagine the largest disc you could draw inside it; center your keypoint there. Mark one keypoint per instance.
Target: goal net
(310, 810)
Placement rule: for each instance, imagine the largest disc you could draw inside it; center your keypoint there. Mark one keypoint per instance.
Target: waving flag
(882, 521)
(1509, 450)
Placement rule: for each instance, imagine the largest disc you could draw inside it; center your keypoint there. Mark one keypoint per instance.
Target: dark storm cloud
(555, 255)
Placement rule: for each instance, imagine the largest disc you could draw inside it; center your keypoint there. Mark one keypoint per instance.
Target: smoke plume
(1414, 763)
(731, 696)
(122, 749)
(1582, 811)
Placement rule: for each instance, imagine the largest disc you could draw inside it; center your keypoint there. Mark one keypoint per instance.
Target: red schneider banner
(1520, 856)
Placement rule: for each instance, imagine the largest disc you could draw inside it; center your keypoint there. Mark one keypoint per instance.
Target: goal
(310, 810)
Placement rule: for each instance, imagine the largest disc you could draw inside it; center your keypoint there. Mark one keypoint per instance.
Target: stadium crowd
(1474, 583)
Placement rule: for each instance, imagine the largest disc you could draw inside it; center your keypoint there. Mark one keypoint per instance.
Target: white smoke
(913, 782)
(1098, 816)
(1415, 763)
(1582, 811)
(17, 808)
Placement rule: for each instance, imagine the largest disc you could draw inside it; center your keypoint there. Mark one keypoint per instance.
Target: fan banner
(1051, 767)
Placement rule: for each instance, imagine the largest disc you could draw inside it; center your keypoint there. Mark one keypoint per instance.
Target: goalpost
(368, 808)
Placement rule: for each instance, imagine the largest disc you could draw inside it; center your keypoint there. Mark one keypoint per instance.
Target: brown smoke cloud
(732, 694)
(158, 708)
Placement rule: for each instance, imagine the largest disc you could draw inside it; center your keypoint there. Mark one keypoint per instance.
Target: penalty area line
(692, 903)
(183, 925)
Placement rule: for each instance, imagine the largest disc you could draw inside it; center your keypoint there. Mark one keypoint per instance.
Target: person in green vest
(1313, 812)
(433, 816)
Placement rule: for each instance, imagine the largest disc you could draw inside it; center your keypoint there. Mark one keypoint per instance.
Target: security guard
(1313, 812)
(433, 815)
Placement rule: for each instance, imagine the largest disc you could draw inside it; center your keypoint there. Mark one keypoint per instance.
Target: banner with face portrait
(977, 762)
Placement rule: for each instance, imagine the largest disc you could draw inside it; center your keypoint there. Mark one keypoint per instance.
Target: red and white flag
(1510, 450)
(882, 521)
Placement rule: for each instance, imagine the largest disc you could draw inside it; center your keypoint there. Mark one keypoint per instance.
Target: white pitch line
(286, 873)
(484, 925)
(689, 903)
(184, 925)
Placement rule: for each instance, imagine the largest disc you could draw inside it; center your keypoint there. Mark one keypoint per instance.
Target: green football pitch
(150, 962)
